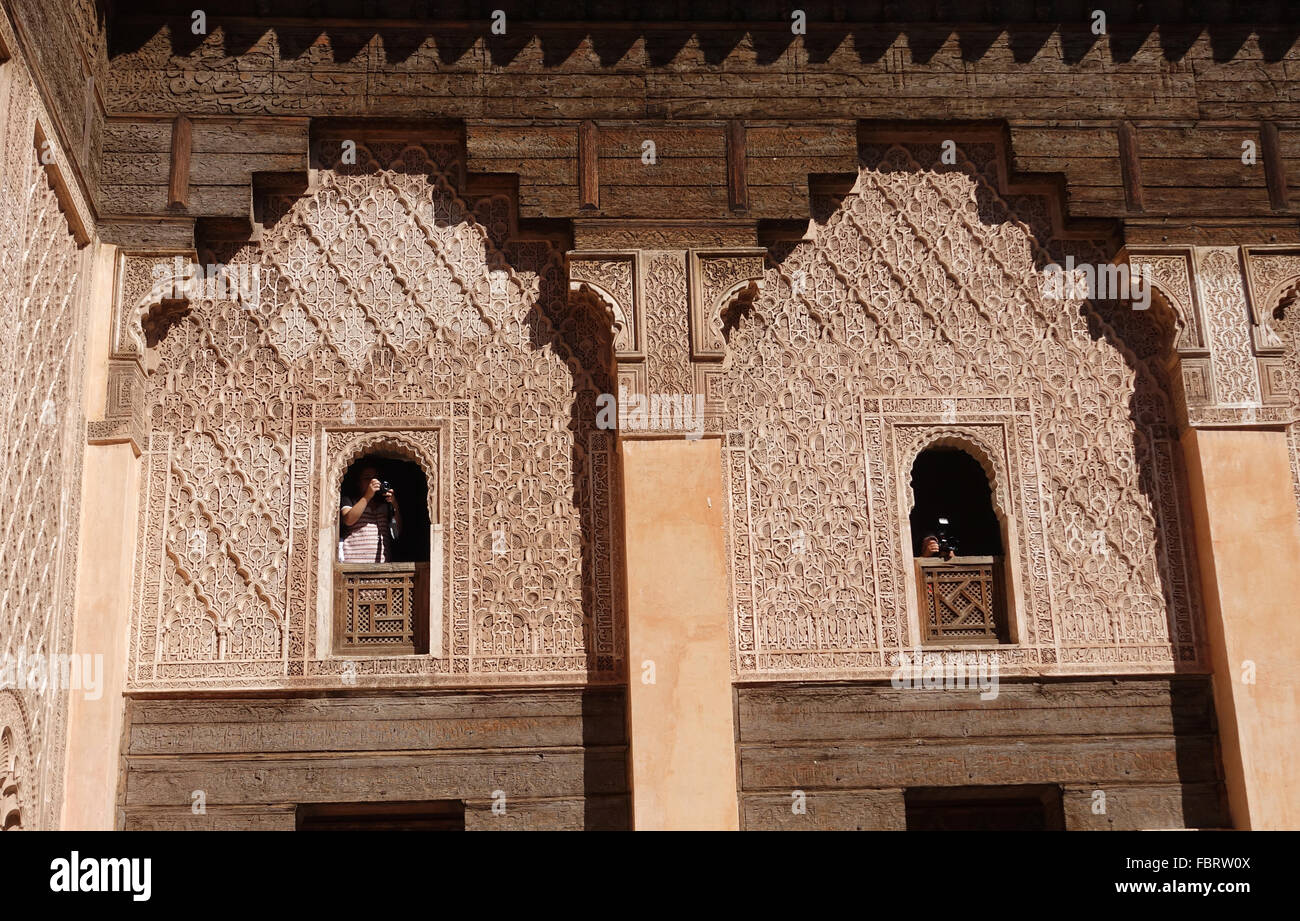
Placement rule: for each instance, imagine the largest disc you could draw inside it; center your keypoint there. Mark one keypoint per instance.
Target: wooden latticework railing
(962, 599)
(381, 608)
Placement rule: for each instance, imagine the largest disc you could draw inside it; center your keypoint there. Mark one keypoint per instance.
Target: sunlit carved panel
(42, 428)
(381, 303)
(1223, 294)
(926, 283)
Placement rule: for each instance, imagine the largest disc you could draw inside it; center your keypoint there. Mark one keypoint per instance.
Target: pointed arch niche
(986, 447)
(341, 447)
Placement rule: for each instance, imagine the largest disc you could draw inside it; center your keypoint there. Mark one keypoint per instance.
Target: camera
(947, 543)
(381, 493)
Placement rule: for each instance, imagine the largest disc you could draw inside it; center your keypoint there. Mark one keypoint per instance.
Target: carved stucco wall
(387, 304)
(42, 321)
(917, 312)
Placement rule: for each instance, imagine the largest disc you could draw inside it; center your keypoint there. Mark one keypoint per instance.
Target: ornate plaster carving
(15, 765)
(917, 313)
(1286, 382)
(1171, 272)
(720, 280)
(611, 278)
(1273, 280)
(385, 310)
(43, 319)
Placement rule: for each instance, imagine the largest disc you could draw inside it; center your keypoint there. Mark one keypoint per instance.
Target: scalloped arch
(393, 445)
(971, 443)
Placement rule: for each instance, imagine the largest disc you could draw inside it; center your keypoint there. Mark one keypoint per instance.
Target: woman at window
(369, 525)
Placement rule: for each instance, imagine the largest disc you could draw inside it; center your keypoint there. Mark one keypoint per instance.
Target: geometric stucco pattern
(389, 310)
(914, 314)
(42, 431)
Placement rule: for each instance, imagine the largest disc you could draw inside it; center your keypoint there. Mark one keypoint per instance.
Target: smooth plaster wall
(682, 755)
(1248, 542)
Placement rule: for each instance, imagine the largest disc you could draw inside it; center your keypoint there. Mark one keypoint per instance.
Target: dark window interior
(434, 815)
(411, 489)
(949, 483)
(1012, 808)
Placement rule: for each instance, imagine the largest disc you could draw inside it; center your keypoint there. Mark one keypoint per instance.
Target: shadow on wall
(870, 29)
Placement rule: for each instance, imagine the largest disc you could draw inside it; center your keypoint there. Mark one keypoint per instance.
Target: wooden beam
(737, 182)
(1130, 166)
(178, 184)
(588, 165)
(1274, 169)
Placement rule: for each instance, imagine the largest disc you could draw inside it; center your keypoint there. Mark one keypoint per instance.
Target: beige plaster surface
(107, 549)
(682, 758)
(1248, 543)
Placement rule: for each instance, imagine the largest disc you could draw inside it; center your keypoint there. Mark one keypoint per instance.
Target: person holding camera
(932, 546)
(370, 524)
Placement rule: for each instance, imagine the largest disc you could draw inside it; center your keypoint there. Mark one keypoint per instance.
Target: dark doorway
(412, 491)
(435, 815)
(1014, 808)
(949, 483)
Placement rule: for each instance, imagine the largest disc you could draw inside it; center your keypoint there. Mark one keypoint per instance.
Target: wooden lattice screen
(381, 608)
(962, 599)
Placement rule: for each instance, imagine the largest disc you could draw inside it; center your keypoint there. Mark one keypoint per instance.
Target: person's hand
(371, 488)
(391, 497)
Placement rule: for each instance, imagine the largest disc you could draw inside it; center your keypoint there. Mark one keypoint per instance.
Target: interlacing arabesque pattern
(42, 428)
(925, 286)
(380, 296)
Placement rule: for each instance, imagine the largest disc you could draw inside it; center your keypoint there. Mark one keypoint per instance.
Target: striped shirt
(370, 540)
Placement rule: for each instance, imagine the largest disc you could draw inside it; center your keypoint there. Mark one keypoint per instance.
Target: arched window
(381, 573)
(404, 534)
(947, 483)
(957, 546)
(11, 817)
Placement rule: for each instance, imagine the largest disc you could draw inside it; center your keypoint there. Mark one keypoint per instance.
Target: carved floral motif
(1223, 294)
